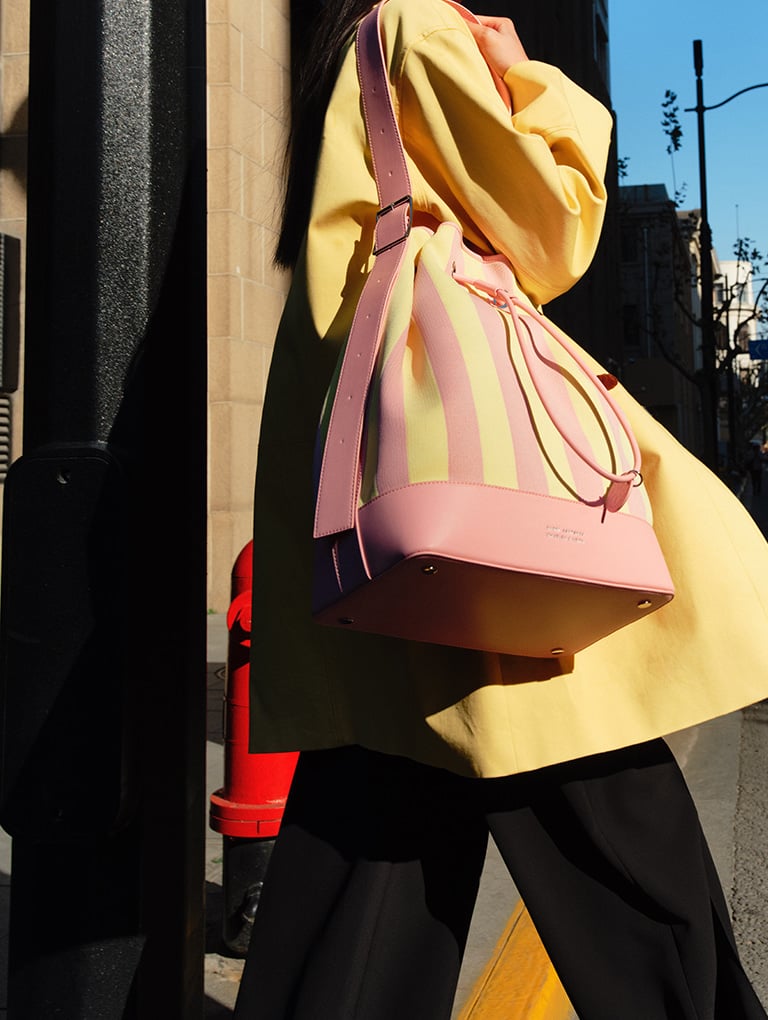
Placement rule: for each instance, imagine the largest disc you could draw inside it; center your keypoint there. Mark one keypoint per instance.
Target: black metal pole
(710, 393)
(102, 619)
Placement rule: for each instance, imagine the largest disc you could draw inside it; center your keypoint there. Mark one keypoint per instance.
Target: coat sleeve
(529, 185)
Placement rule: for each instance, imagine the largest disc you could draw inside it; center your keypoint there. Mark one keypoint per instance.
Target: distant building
(662, 346)
(734, 292)
(743, 378)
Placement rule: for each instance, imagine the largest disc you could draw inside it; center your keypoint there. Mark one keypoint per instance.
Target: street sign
(758, 350)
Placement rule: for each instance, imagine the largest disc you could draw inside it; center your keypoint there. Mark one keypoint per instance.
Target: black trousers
(372, 883)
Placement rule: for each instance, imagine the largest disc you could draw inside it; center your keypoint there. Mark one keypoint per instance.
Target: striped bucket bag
(477, 485)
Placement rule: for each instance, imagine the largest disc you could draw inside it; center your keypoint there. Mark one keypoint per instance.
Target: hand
(498, 41)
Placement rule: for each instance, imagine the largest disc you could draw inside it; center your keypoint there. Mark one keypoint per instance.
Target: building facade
(662, 341)
(248, 71)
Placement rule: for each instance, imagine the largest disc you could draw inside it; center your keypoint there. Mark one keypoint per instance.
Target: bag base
(412, 569)
(498, 610)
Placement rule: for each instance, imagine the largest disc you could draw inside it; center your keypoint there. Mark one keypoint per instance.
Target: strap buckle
(405, 200)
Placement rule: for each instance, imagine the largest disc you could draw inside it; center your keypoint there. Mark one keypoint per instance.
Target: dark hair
(313, 77)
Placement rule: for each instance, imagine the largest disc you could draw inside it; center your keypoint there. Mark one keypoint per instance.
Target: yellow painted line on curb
(519, 981)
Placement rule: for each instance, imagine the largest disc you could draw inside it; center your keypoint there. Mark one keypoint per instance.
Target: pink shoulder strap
(338, 483)
(339, 479)
(339, 476)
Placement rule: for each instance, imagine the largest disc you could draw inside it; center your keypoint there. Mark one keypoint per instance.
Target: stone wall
(248, 96)
(14, 74)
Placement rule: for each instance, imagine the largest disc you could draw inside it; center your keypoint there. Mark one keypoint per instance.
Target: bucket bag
(476, 484)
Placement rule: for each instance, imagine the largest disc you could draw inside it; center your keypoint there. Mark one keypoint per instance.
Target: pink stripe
(392, 463)
(465, 457)
(608, 405)
(530, 458)
(529, 461)
(589, 485)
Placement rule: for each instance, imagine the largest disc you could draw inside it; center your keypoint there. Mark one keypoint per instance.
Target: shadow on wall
(13, 145)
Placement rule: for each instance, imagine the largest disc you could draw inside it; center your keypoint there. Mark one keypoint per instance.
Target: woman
(412, 753)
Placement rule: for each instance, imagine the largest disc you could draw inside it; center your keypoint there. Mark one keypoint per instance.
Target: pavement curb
(519, 981)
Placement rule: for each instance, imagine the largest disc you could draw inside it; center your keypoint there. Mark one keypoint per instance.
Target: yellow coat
(529, 186)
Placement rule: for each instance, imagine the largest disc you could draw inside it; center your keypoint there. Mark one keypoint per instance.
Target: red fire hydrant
(248, 809)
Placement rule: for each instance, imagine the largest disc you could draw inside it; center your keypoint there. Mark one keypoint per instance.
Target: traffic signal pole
(102, 616)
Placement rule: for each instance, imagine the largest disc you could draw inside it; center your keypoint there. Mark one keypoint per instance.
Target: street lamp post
(710, 390)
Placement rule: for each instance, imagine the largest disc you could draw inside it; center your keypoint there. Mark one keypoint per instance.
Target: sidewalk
(222, 971)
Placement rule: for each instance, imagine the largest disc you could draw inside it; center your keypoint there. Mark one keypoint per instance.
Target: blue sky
(651, 48)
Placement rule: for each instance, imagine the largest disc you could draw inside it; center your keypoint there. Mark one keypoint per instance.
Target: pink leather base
(509, 528)
(532, 575)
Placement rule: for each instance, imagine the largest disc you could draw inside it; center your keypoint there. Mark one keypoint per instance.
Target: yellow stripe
(519, 981)
(425, 426)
